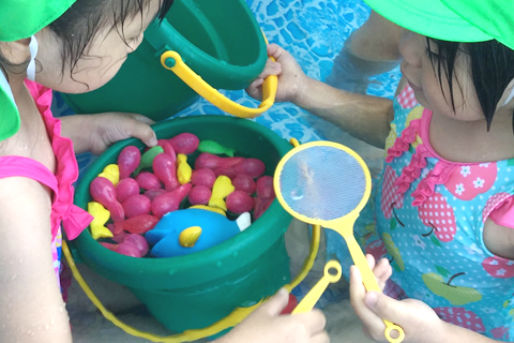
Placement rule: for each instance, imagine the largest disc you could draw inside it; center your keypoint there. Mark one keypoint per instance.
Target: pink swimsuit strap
(26, 167)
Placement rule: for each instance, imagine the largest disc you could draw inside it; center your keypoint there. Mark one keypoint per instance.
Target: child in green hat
(443, 243)
(72, 46)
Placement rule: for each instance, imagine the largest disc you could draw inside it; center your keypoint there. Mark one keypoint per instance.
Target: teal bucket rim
(264, 232)
(158, 32)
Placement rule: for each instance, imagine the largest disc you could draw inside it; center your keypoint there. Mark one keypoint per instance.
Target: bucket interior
(252, 264)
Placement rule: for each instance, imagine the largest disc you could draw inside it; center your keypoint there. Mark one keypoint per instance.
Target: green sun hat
(21, 19)
(452, 20)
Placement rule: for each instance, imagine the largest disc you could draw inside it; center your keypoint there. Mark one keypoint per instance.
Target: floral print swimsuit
(430, 216)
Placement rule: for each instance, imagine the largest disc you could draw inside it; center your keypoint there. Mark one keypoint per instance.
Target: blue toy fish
(189, 230)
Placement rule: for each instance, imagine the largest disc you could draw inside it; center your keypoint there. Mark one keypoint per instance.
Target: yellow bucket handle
(171, 60)
(229, 321)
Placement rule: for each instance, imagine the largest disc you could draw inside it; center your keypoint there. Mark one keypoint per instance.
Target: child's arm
(266, 324)
(31, 305)
(96, 132)
(419, 322)
(366, 117)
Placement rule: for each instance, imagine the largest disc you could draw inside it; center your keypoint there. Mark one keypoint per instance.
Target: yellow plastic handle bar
(312, 297)
(370, 283)
(231, 320)
(171, 60)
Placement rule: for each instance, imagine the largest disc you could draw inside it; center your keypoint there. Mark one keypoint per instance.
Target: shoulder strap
(26, 167)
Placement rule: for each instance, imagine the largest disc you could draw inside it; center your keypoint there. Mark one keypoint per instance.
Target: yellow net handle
(171, 60)
(190, 335)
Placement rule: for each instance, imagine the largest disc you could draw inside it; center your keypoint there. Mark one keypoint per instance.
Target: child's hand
(419, 322)
(266, 324)
(96, 132)
(291, 77)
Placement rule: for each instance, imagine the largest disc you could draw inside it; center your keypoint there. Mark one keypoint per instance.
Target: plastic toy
(200, 195)
(170, 201)
(221, 188)
(136, 204)
(250, 166)
(186, 231)
(102, 190)
(128, 160)
(215, 148)
(147, 180)
(100, 217)
(165, 169)
(265, 195)
(245, 183)
(148, 156)
(125, 188)
(137, 224)
(112, 173)
(184, 170)
(129, 244)
(203, 176)
(184, 143)
(207, 160)
(239, 202)
(168, 148)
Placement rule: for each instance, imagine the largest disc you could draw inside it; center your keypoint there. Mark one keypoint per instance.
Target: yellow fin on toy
(208, 208)
(189, 236)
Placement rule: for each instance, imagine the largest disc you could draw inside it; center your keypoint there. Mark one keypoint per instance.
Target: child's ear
(15, 54)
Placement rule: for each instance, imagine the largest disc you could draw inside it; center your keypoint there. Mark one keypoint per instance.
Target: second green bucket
(220, 40)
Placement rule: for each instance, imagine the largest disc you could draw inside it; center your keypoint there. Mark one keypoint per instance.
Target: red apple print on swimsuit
(499, 267)
(438, 215)
(466, 182)
(390, 195)
(460, 317)
(492, 203)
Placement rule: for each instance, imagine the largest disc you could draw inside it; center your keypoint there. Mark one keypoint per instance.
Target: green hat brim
(8, 112)
(429, 18)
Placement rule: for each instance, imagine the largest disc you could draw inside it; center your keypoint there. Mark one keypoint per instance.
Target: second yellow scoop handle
(312, 297)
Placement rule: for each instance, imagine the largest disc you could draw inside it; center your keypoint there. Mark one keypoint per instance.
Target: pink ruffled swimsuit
(73, 218)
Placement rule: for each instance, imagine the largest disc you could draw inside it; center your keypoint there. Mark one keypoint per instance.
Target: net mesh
(322, 183)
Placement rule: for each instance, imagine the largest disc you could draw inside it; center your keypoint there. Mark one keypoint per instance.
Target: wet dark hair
(80, 23)
(491, 68)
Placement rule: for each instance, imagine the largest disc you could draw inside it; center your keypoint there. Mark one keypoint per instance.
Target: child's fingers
(274, 305)
(320, 338)
(371, 261)
(370, 320)
(142, 118)
(271, 68)
(274, 50)
(383, 271)
(143, 131)
(254, 89)
(314, 321)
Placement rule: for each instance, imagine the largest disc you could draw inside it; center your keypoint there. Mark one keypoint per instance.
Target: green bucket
(197, 290)
(219, 40)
